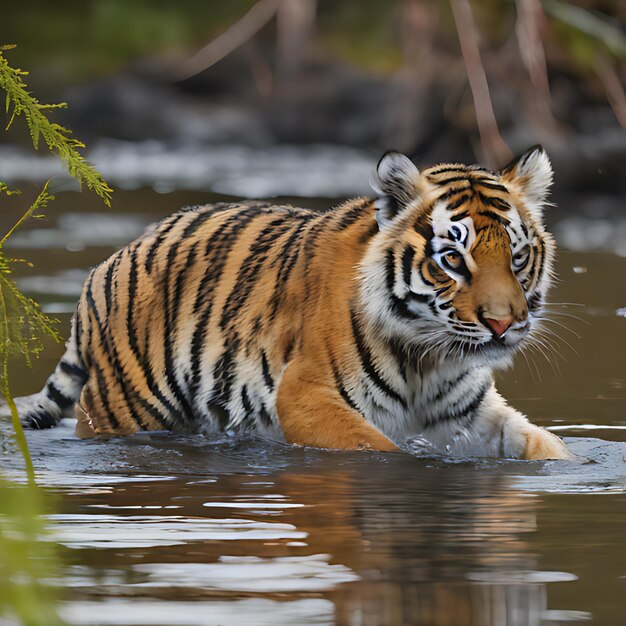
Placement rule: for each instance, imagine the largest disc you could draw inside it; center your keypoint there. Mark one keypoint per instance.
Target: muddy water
(163, 530)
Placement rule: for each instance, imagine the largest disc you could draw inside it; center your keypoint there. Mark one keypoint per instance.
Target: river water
(177, 531)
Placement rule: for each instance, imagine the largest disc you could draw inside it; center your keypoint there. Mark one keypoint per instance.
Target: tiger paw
(543, 445)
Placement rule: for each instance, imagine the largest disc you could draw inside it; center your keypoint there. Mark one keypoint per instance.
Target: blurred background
(184, 103)
(278, 97)
(193, 102)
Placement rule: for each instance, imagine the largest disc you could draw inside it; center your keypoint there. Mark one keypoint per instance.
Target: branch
(530, 18)
(240, 32)
(495, 147)
(613, 87)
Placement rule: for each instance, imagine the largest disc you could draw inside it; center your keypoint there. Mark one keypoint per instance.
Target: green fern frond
(4, 188)
(27, 325)
(40, 203)
(19, 101)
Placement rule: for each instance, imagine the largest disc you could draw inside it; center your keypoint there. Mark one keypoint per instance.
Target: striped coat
(362, 326)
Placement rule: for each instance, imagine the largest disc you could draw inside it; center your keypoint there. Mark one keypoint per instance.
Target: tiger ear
(532, 174)
(394, 181)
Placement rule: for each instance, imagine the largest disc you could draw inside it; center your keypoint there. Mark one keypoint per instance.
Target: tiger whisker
(548, 319)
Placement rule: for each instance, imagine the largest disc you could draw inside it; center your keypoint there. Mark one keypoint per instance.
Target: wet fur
(309, 326)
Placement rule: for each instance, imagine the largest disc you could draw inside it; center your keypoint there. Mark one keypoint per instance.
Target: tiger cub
(360, 327)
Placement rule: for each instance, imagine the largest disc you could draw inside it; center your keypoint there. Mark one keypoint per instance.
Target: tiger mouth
(510, 342)
(500, 345)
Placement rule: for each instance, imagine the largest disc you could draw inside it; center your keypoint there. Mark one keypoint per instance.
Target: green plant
(25, 560)
(23, 326)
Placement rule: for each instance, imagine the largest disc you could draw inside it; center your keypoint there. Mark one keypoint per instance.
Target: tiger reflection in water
(435, 550)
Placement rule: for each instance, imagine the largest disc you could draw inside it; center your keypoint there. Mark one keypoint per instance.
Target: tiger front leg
(515, 436)
(541, 444)
(312, 412)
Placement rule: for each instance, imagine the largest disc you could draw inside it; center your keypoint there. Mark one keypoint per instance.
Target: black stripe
(458, 202)
(266, 418)
(343, 392)
(480, 168)
(399, 353)
(445, 288)
(367, 362)
(245, 401)
(77, 333)
(291, 342)
(75, 371)
(317, 227)
(524, 229)
(466, 414)
(497, 203)
(448, 195)
(353, 214)
(408, 256)
(400, 307)
(447, 387)
(390, 270)
(534, 301)
(483, 182)
(38, 420)
(104, 398)
(220, 412)
(265, 366)
(180, 281)
(224, 370)
(202, 214)
(166, 228)
(449, 168)
(495, 216)
(369, 233)
(452, 179)
(423, 226)
(289, 254)
(57, 396)
(459, 216)
(196, 223)
(108, 280)
(418, 297)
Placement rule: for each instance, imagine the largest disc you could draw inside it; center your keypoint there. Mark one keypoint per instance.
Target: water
(177, 531)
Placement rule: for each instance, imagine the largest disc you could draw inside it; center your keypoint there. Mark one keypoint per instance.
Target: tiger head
(461, 261)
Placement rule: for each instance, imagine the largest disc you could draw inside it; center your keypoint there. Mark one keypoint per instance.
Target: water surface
(176, 531)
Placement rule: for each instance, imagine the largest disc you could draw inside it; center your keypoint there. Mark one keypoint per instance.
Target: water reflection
(444, 547)
(134, 531)
(248, 611)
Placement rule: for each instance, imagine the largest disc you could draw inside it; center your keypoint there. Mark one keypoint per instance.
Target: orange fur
(264, 318)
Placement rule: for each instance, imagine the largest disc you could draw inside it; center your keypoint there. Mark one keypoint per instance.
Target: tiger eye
(453, 259)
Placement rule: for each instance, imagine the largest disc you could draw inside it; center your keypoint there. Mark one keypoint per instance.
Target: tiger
(365, 326)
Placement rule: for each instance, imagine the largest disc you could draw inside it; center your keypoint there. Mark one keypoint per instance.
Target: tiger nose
(498, 326)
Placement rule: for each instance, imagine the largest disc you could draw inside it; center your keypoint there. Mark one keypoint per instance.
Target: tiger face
(462, 261)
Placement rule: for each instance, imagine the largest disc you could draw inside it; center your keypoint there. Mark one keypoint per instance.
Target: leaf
(58, 138)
